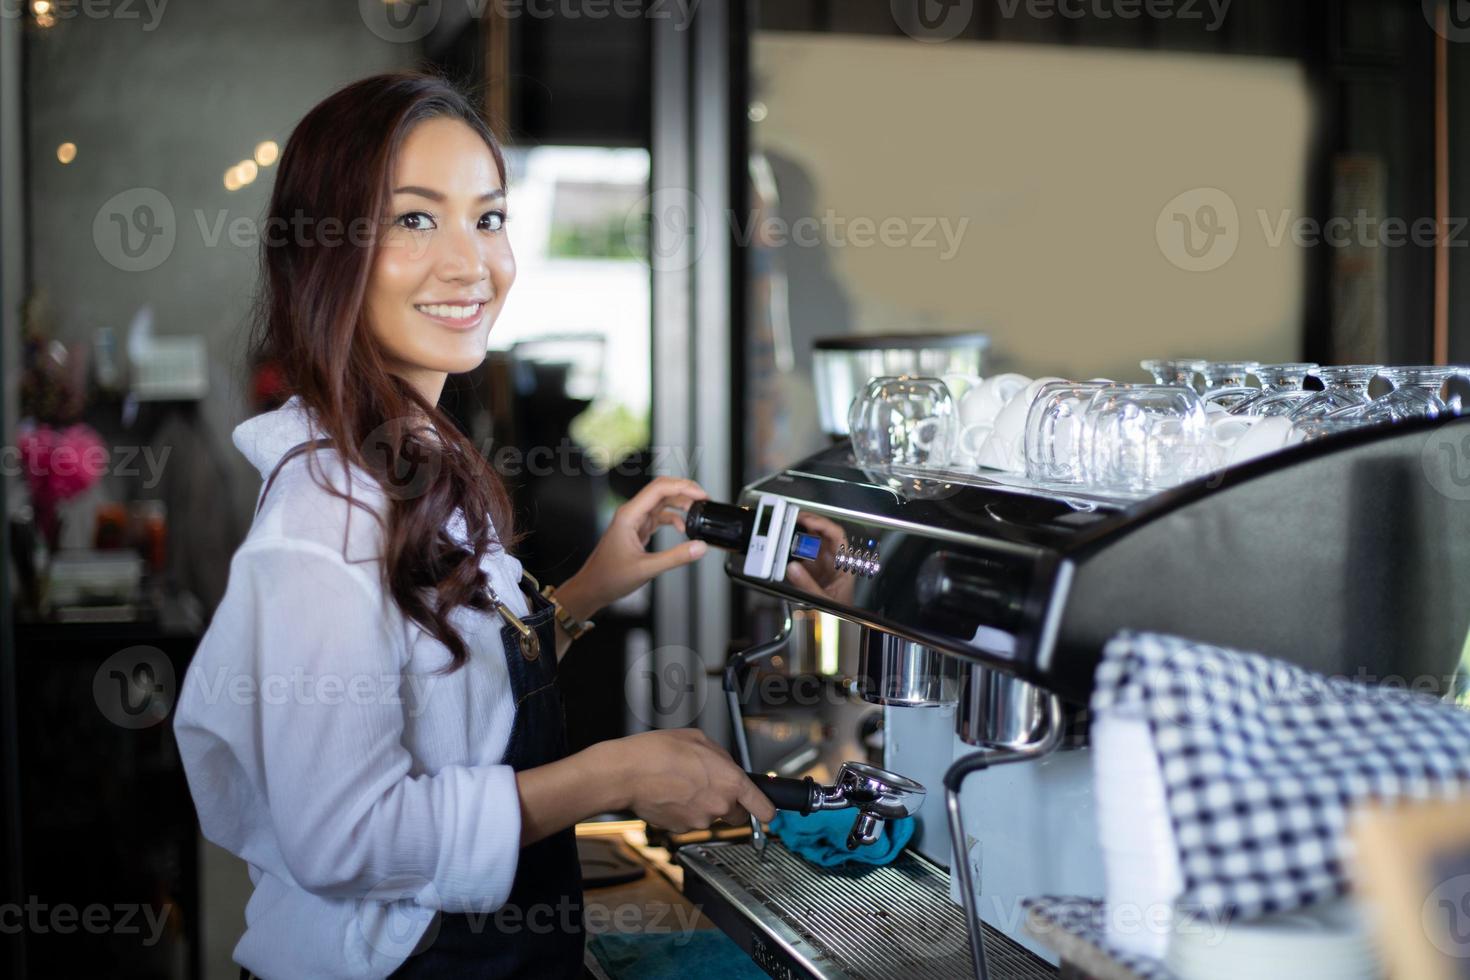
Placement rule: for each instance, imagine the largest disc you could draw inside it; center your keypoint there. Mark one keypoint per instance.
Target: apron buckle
(530, 642)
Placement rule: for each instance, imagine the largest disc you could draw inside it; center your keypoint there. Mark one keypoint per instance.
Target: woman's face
(444, 264)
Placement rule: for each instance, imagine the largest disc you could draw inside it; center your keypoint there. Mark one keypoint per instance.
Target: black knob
(722, 525)
(786, 794)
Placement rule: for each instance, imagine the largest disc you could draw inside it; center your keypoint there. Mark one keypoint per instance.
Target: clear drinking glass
(1345, 387)
(903, 421)
(1415, 395)
(1225, 385)
(1276, 379)
(1310, 430)
(1144, 438)
(1178, 373)
(1054, 431)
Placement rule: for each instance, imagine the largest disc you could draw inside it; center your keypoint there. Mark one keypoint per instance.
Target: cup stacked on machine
(1133, 439)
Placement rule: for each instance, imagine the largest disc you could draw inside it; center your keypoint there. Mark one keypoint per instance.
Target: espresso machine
(984, 602)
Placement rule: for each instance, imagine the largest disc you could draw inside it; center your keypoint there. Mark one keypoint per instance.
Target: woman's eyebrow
(434, 195)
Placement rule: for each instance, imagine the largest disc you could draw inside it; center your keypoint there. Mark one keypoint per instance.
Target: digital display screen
(764, 519)
(807, 546)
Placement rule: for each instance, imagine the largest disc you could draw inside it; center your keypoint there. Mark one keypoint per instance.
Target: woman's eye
(493, 221)
(416, 221)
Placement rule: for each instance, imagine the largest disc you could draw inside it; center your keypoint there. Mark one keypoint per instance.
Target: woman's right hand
(679, 780)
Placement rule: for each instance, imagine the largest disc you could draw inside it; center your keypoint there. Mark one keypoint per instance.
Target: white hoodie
(362, 790)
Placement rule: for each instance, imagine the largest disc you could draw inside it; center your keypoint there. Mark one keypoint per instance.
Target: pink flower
(60, 465)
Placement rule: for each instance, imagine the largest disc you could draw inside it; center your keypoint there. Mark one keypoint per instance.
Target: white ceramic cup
(1266, 436)
(1006, 447)
(1225, 431)
(983, 402)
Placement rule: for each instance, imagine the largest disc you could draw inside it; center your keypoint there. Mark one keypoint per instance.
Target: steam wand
(954, 779)
(734, 668)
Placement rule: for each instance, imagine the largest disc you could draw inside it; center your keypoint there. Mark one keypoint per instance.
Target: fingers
(830, 530)
(724, 793)
(735, 817)
(832, 533)
(754, 802)
(662, 491)
(657, 562)
(798, 576)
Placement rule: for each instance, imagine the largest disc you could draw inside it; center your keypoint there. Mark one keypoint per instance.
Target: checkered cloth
(1077, 929)
(1262, 763)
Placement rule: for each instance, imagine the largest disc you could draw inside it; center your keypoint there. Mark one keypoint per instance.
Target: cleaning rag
(821, 837)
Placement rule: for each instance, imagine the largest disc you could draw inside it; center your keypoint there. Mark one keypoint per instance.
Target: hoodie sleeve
(318, 706)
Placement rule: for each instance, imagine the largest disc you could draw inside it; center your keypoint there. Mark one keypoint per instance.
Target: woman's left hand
(621, 562)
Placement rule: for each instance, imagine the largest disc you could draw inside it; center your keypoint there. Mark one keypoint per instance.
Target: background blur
(699, 191)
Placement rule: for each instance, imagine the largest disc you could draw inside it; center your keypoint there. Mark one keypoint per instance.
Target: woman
(371, 721)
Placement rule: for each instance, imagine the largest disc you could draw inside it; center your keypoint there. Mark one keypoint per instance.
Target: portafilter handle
(797, 795)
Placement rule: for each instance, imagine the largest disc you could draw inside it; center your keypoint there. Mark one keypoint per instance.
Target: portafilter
(876, 794)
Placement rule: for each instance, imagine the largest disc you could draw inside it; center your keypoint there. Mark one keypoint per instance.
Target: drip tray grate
(856, 923)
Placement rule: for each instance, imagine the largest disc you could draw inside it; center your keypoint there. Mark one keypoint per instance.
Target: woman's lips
(455, 316)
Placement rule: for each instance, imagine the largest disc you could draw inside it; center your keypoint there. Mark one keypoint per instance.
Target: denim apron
(538, 933)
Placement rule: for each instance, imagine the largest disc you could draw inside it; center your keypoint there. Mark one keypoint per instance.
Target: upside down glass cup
(903, 421)
(1144, 438)
(1311, 430)
(1225, 385)
(1345, 387)
(1176, 372)
(1415, 395)
(1284, 380)
(1054, 431)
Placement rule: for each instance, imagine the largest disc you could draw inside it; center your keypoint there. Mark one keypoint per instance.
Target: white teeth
(450, 312)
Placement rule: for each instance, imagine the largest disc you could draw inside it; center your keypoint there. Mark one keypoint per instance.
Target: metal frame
(692, 302)
(14, 235)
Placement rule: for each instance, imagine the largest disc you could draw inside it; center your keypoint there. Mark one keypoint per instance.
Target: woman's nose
(464, 257)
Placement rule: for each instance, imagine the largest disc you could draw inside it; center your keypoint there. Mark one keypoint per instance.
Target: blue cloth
(821, 837)
(705, 953)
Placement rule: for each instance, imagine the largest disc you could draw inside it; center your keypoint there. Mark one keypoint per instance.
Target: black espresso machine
(1348, 555)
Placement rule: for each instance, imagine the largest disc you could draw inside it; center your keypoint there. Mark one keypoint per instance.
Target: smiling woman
(388, 828)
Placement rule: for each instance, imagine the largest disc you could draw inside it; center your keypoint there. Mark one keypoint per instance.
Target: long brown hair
(332, 185)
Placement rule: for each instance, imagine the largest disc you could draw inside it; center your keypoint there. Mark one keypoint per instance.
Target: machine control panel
(858, 557)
